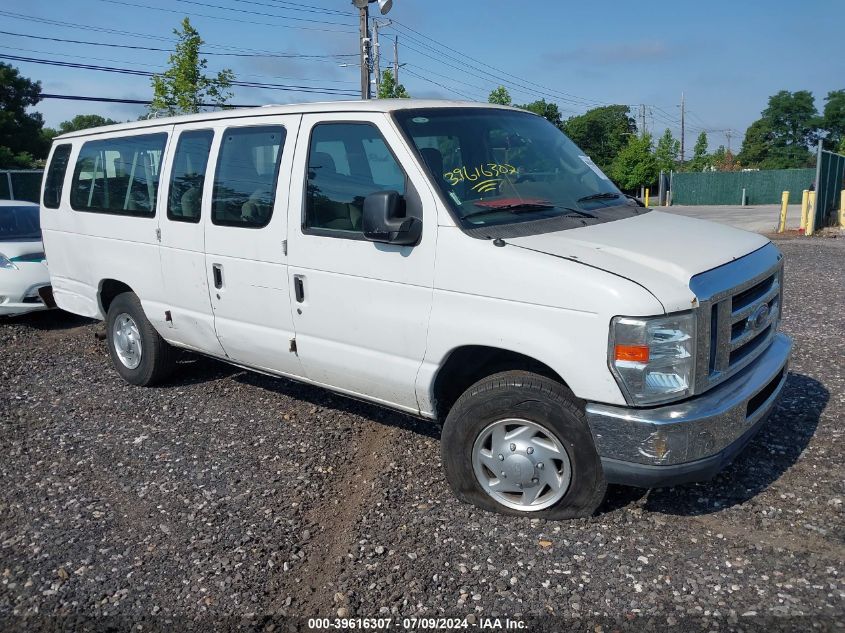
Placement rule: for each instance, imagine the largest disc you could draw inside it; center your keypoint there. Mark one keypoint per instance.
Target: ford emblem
(758, 318)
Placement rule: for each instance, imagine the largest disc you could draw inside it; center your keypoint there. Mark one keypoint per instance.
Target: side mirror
(385, 220)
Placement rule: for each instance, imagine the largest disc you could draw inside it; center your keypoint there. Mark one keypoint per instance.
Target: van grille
(736, 322)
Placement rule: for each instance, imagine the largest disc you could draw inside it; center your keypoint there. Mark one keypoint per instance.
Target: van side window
(346, 163)
(55, 179)
(245, 179)
(187, 178)
(118, 175)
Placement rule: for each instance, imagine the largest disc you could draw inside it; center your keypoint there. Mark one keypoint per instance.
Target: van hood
(659, 251)
(21, 248)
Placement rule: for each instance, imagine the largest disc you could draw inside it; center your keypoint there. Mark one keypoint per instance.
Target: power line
(482, 89)
(700, 120)
(458, 68)
(304, 8)
(261, 13)
(144, 73)
(575, 99)
(170, 50)
(121, 61)
(227, 19)
(130, 101)
(300, 7)
(134, 34)
(455, 90)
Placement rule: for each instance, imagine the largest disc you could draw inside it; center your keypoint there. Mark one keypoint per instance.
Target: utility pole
(683, 157)
(376, 57)
(642, 120)
(396, 60)
(728, 135)
(364, 10)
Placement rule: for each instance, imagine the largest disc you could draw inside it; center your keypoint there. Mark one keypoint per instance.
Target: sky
(726, 57)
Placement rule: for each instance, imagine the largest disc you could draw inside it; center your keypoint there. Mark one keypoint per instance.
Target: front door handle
(217, 270)
(299, 288)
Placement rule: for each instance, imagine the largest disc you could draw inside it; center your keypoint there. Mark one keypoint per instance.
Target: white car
(23, 267)
(461, 262)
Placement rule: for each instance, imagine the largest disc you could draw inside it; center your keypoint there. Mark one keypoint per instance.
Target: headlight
(5, 262)
(653, 359)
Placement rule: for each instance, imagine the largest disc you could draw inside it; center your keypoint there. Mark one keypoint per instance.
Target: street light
(384, 6)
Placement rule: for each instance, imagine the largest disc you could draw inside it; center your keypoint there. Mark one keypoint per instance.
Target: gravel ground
(226, 499)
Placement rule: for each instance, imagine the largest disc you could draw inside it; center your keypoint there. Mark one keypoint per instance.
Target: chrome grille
(737, 319)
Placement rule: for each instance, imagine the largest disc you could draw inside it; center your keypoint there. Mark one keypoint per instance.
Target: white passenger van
(460, 262)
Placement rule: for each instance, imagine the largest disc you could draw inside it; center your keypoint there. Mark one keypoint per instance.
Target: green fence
(831, 183)
(21, 184)
(721, 187)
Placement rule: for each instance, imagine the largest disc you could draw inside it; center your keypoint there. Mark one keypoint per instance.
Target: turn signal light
(633, 353)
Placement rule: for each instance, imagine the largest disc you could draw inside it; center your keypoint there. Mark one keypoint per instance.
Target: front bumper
(694, 439)
(19, 288)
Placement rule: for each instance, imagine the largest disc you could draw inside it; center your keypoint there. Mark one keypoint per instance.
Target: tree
(545, 109)
(724, 160)
(667, 151)
(700, 160)
(389, 89)
(635, 165)
(21, 138)
(780, 138)
(833, 119)
(500, 96)
(602, 132)
(184, 87)
(757, 142)
(84, 122)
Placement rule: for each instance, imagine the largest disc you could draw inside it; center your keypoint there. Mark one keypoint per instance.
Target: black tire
(529, 396)
(157, 357)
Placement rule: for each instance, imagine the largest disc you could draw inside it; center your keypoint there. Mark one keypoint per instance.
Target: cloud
(613, 53)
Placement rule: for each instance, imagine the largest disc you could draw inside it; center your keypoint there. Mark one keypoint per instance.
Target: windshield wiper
(607, 195)
(531, 206)
(515, 207)
(577, 213)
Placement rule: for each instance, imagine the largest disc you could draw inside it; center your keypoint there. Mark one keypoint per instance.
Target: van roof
(372, 105)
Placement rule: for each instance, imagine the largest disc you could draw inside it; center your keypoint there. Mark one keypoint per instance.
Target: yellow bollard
(784, 203)
(646, 196)
(842, 209)
(805, 201)
(811, 214)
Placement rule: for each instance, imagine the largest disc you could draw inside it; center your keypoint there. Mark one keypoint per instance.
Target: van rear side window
(55, 178)
(118, 175)
(187, 179)
(245, 179)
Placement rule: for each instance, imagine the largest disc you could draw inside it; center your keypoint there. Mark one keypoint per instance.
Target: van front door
(245, 235)
(186, 200)
(361, 308)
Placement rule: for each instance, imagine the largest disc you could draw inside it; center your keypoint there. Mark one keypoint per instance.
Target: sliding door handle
(299, 288)
(217, 270)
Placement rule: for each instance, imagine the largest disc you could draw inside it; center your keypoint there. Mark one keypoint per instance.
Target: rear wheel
(139, 354)
(519, 443)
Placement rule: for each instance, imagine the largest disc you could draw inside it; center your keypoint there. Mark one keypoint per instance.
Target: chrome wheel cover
(127, 341)
(521, 464)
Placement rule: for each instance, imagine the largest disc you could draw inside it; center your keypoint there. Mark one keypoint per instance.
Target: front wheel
(139, 354)
(518, 443)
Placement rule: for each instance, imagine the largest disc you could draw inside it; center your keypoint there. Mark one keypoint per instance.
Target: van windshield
(19, 223)
(498, 168)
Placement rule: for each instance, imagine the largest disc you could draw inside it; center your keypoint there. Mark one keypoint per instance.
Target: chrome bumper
(694, 439)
